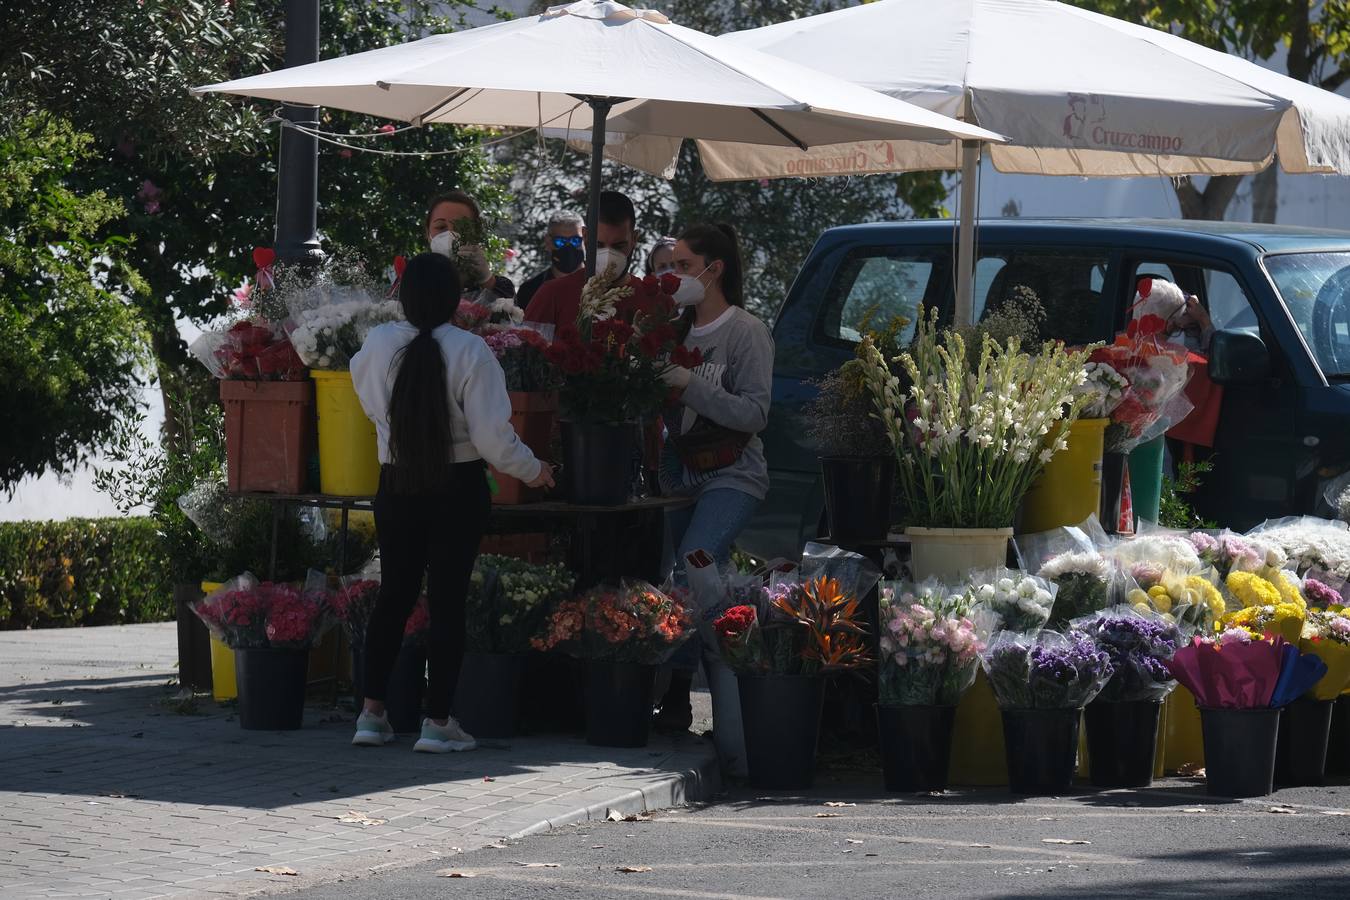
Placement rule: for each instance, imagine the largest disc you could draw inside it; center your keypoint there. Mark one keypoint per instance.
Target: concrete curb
(678, 789)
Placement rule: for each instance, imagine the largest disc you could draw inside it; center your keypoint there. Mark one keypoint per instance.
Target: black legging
(435, 533)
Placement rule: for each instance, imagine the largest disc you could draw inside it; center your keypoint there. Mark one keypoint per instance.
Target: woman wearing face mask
(712, 450)
(438, 399)
(661, 258)
(443, 212)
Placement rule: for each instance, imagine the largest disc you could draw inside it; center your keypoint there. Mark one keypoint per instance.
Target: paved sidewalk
(108, 788)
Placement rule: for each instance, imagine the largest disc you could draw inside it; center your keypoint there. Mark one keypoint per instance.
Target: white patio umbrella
(544, 71)
(1076, 93)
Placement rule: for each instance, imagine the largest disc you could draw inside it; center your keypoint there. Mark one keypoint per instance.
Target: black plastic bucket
(597, 463)
(1122, 739)
(858, 494)
(916, 746)
(1301, 751)
(487, 697)
(271, 683)
(1041, 746)
(618, 703)
(780, 715)
(1338, 746)
(1240, 751)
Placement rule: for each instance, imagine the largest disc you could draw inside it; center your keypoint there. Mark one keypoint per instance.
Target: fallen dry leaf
(981, 846)
(838, 803)
(828, 816)
(488, 778)
(356, 818)
(539, 865)
(455, 873)
(1283, 810)
(1192, 769)
(613, 816)
(1335, 812)
(497, 846)
(852, 841)
(633, 869)
(1194, 809)
(1062, 841)
(849, 850)
(276, 870)
(597, 846)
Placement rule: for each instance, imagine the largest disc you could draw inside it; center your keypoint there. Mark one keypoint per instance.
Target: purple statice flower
(1137, 648)
(1319, 594)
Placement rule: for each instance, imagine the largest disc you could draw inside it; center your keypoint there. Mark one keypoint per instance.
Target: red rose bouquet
(611, 365)
(250, 350)
(523, 355)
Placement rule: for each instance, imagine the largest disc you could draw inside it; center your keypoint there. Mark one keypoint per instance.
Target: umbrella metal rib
(800, 145)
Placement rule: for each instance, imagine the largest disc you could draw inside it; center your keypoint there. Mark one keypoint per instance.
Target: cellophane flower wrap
(714, 590)
(1164, 574)
(634, 623)
(510, 601)
(1157, 370)
(971, 438)
(1228, 552)
(1021, 602)
(611, 367)
(523, 355)
(1310, 543)
(1326, 633)
(329, 322)
(247, 614)
(252, 349)
(929, 650)
(1232, 670)
(354, 601)
(1139, 646)
(1270, 601)
(1048, 670)
(1105, 389)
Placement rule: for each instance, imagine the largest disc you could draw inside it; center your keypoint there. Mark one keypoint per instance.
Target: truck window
(877, 285)
(1066, 281)
(1219, 291)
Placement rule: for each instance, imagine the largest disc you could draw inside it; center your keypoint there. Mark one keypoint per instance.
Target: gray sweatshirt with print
(732, 387)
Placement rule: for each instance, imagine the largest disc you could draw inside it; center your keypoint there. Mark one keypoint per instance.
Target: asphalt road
(1169, 842)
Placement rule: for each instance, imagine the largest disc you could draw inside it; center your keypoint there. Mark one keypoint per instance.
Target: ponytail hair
(714, 243)
(419, 405)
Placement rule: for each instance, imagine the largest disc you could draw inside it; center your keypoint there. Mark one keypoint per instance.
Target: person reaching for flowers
(438, 399)
(712, 450)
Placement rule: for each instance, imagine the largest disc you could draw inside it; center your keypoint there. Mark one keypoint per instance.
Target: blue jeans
(711, 524)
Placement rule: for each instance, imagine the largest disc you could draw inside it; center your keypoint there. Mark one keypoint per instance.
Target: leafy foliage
(69, 343)
(82, 572)
(1174, 509)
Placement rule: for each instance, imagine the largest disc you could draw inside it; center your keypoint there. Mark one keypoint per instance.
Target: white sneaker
(443, 738)
(372, 730)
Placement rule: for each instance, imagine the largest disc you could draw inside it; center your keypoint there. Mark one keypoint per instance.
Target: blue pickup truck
(1279, 298)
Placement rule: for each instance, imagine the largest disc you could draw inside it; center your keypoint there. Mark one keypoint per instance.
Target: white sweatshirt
(480, 409)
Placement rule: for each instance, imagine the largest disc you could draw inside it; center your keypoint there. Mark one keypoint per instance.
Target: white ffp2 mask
(443, 243)
(610, 261)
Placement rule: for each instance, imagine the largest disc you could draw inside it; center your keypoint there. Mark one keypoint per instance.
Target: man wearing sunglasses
(565, 245)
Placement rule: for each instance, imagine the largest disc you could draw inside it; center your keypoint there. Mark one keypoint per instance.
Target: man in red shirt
(557, 302)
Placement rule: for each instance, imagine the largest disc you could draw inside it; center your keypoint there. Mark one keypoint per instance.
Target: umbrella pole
(600, 108)
(965, 250)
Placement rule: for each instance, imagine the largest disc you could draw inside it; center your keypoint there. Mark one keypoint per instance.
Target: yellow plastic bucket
(977, 738)
(1185, 743)
(349, 463)
(1070, 486)
(222, 661)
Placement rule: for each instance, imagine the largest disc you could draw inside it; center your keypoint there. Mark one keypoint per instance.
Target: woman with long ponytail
(713, 452)
(438, 399)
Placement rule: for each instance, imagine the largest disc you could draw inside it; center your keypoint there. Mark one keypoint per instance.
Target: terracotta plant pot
(532, 416)
(267, 441)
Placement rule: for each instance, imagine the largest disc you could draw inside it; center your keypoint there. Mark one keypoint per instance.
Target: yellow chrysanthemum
(1289, 591)
(1162, 601)
(1252, 590)
(1208, 594)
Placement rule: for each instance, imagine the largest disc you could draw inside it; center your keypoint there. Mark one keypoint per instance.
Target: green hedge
(82, 572)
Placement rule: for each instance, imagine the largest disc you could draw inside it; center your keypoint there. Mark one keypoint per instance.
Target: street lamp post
(297, 238)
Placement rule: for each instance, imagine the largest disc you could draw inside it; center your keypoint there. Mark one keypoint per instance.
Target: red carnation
(669, 283)
(689, 359)
(650, 285)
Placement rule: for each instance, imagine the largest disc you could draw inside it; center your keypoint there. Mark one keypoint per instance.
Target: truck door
(1256, 453)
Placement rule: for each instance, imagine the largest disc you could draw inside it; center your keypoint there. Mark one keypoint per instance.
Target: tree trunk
(1210, 204)
(1266, 195)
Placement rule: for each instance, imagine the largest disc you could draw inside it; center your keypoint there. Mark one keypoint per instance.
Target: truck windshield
(1316, 288)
